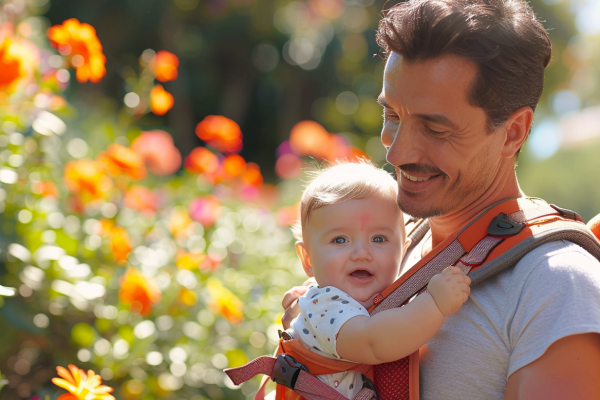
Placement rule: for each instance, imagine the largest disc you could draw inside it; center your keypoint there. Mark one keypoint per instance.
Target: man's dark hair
(503, 38)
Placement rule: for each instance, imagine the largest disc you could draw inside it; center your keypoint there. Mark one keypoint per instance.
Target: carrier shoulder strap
(497, 239)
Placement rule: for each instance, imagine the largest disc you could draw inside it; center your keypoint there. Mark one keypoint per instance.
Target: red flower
(221, 133)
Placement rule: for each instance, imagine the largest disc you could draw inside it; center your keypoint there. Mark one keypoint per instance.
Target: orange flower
(221, 133)
(80, 44)
(140, 198)
(201, 160)
(164, 65)
(158, 151)
(234, 165)
(309, 138)
(223, 302)
(18, 60)
(120, 243)
(46, 189)
(122, 160)
(81, 386)
(87, 178)
(138, 291)
(252, 175)
(161, 101)
(206, 210)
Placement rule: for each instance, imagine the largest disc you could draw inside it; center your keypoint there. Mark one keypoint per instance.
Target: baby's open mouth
(361, 274)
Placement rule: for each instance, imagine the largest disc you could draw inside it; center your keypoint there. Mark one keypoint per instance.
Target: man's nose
(401, 144)
(361, 252)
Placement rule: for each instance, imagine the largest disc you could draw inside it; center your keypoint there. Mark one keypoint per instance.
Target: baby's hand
(450, 290)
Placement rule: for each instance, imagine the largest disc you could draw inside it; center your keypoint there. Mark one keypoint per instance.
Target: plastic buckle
(286, 371)
(501, 225)
(566, 213)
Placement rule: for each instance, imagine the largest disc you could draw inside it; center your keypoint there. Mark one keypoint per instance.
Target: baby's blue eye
(379, 239)
(339, 240)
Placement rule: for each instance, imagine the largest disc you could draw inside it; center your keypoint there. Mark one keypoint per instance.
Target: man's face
(445, 159)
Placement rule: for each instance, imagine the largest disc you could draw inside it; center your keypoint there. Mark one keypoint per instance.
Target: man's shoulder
(559, 265)
(559, 255)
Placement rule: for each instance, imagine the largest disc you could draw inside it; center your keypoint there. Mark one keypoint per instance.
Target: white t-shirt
(510, 320)
(323, 311)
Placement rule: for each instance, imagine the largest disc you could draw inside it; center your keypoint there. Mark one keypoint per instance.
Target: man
(461, 83)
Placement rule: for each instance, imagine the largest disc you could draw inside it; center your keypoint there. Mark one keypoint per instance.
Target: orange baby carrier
(497, 239)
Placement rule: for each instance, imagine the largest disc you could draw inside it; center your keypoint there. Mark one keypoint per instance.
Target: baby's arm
(393, 334)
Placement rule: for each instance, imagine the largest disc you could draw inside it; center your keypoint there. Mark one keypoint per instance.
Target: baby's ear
(304, 258)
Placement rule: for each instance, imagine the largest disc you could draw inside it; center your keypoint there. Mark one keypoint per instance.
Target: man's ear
(304, 258)
(517, 129)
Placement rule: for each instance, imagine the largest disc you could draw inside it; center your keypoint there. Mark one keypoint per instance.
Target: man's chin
(418, 208)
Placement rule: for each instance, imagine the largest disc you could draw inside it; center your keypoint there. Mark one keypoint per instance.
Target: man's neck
(450, 224)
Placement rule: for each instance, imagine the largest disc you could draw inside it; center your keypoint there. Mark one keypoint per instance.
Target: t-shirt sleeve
(323, 311)
(559, 298)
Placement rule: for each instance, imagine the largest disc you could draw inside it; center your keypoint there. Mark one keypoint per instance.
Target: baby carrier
(497, 239)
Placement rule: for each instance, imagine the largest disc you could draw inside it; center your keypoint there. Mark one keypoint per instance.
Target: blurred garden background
(152, 156)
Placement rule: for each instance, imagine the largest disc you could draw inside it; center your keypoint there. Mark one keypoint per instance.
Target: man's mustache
(420, 169)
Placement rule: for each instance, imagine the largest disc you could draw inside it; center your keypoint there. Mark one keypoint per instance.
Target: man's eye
(379, 239)
(391, 117)
(339, 240)
(433, 132)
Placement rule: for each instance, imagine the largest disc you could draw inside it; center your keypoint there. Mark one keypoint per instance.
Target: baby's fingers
(451, 271)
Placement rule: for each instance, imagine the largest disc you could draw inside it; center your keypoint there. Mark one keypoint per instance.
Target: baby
(351, 239)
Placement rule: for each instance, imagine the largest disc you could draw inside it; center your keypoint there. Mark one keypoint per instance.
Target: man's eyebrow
(383, 103)
(438, 119)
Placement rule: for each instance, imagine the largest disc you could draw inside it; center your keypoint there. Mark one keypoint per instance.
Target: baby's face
(355, 245)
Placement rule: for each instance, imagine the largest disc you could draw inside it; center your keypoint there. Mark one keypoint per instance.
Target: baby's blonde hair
(343, 181)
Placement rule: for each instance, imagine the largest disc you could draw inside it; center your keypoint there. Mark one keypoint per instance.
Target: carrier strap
(468, 250)
(286, 371)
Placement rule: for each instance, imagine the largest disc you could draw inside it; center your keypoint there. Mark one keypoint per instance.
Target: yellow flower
(161, 101)
(81, 386)
(223, 302)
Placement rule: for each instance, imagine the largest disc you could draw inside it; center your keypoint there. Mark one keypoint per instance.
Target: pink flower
(158, 151)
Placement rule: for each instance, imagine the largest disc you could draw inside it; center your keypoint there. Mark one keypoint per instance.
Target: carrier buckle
(501, 225)
(566, 213)
(286, 371)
